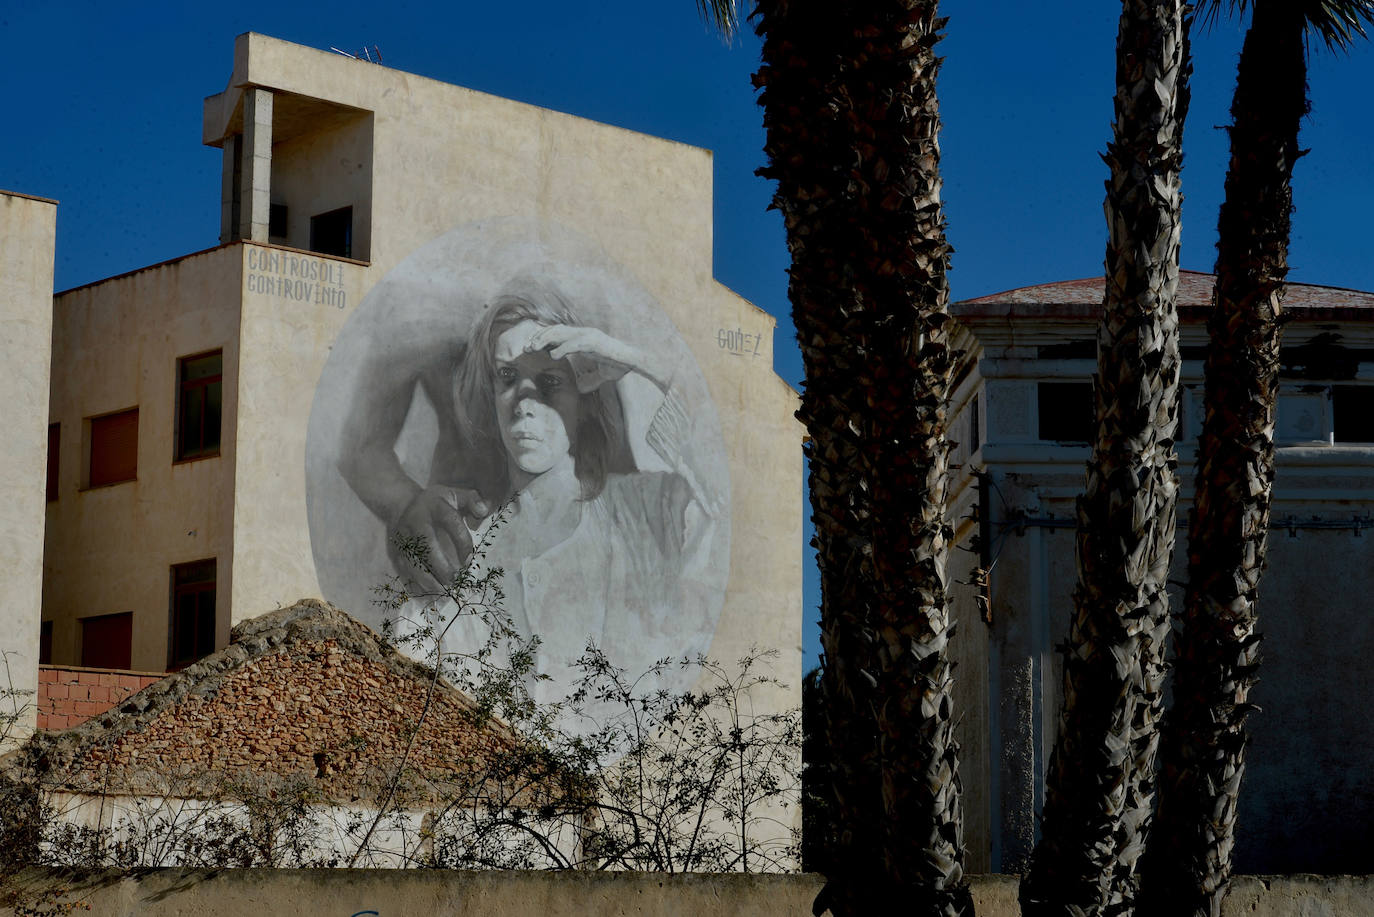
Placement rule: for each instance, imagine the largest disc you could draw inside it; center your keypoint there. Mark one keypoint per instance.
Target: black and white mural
(512, 364)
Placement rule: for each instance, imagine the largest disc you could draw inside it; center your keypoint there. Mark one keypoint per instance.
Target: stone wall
(301, 693)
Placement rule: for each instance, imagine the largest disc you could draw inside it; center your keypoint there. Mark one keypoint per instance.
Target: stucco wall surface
(117, 343)
(28, 229)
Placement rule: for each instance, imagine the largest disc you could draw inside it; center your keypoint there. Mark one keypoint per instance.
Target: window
(193, 613)
(1066, 411)
(114, 448)
(45, 643)
(107, 640)
(54, 439)
(332, 233)
(1352, 413)
(276, 221)
(200, 398)
(975, 423)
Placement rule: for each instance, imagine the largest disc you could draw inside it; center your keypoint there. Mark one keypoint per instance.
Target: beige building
(252, 424)
(1023, 418)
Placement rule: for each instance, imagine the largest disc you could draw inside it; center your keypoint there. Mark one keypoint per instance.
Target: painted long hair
(599, 442)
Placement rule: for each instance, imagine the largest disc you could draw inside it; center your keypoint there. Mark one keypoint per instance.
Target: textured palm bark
(848, 92)
(1188, 865)
(1099, 791)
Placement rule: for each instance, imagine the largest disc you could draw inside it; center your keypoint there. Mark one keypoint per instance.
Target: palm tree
(851, 114)
(1100, 779)
(1188, 864)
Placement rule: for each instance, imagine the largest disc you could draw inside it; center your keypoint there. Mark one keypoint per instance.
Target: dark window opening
(114, 448)
(200, 397)
(1352, 413)
(332, 233)
(54, 439)
(1066, 411)
(276, 220)
(974, 435)
(193, 613)
(107, 641)
(45, 643)
(236, 187)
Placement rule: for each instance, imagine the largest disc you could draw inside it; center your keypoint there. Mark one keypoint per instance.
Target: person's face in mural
(536, 401)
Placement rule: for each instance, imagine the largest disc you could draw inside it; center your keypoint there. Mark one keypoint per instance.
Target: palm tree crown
(1338, 23)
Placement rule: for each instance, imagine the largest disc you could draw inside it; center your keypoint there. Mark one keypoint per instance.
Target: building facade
(252, 424)
(1023, 418)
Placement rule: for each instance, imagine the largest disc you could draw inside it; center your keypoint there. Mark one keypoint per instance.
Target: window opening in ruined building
(45, 643)
(113, 448)
(54, 439)
(276, 221)
(200, 398)
(332, 233)
(1352, 413)
(1066, 411)
(107, 641)
(974, 421)
(193, 613)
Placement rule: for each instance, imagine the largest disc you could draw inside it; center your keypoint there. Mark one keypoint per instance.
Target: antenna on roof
(373, 54)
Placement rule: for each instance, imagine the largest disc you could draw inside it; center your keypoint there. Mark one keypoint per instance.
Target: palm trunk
(1100, 780)
(1189, 861)
(848, 91)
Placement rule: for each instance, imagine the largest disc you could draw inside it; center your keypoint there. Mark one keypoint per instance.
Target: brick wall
(70, 695)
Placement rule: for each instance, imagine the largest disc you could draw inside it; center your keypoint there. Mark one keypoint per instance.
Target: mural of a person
(533, 425)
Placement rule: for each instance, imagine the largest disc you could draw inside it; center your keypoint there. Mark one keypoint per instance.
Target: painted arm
(368, 462)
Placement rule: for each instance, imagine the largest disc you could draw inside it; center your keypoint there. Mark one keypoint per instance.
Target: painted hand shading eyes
(594, 356)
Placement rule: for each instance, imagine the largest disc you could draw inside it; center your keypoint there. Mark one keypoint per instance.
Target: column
(255, 191)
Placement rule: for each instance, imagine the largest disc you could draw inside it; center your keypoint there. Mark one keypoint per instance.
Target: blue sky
(103, 113)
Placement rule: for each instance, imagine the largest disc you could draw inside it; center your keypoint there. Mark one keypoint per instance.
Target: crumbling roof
(306, 692)
(1082, 299)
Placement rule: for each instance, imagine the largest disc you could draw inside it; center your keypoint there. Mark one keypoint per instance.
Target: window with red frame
(192, 632)
(200, 399)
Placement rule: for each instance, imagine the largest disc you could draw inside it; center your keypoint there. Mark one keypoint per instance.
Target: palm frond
(721, 14)
(1338, 23)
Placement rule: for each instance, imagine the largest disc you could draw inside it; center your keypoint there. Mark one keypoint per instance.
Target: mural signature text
(738, 341)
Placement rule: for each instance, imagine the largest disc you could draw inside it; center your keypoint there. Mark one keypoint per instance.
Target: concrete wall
(288, 326)
(110, 549)
(383, 893)
(28, 229)
(319, 171)
(508, 893)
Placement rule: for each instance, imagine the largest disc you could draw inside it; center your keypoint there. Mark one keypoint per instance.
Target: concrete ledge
(388, 893)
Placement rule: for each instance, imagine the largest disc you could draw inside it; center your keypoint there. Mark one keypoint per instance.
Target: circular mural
(511, 398)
